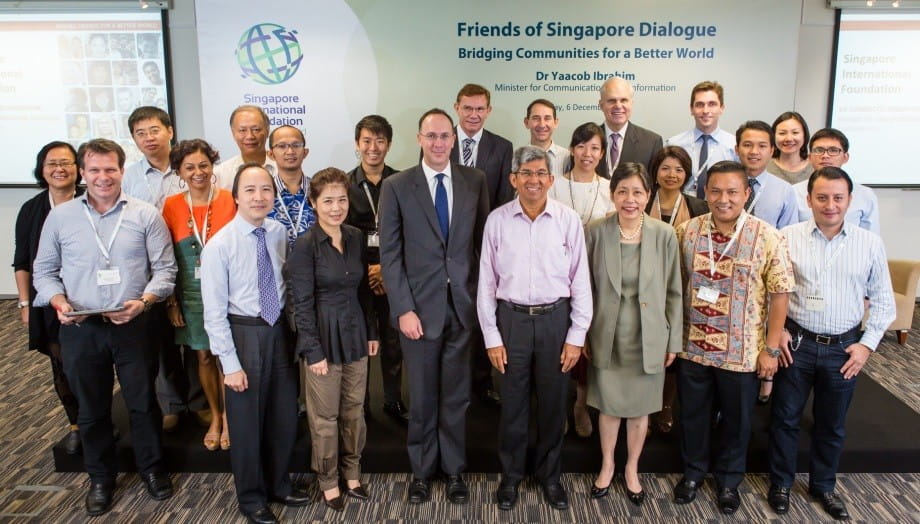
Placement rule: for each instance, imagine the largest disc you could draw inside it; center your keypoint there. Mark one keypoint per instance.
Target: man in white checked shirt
(837, 265)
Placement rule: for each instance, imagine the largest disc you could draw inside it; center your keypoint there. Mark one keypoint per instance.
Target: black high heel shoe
(763, 400)
(599, 493)
(635, 498)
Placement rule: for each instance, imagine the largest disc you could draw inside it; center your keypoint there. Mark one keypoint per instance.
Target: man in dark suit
(490, 153)
(627, 142)
(431, 222)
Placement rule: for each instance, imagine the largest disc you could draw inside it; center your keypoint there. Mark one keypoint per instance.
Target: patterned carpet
(31, 419)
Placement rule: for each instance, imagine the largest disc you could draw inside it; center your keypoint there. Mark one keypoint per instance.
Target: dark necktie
(704, 151)
(614, 152)
(268, 289)
(748, 205)
(440, 206)
(468, 151)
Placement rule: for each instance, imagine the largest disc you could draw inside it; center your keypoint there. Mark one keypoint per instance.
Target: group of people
(648, 272)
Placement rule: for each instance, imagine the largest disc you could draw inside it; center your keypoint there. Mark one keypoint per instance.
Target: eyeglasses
(431, 137)
(541, 174)
(296, 146)
(153, 132)
(61, 164)
(830, 151)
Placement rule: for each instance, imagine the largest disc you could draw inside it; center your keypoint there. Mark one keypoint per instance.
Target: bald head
(616, 102)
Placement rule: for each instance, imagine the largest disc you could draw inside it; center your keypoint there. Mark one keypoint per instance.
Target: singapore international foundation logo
(269, 54)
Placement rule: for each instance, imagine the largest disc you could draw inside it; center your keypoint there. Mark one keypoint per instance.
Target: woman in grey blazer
(638, 321)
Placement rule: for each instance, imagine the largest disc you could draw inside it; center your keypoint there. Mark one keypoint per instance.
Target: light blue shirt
(721, 147)
(843, 270)
(145, 182)
(863, 210)
(230, 281)
(69, 258)
(776, 202)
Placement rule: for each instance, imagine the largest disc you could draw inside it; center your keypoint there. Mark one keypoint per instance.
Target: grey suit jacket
(494, 158)
(660, 291)
(416, 263)
(639, 145)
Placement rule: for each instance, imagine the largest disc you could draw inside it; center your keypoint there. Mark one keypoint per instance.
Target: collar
(147, 166)
(122, 198)
(714, 136)
(622, 132)
(550, 209)
(358, 176)
(846, 231)
(708, 226)
(243, 226)
(430, 173)
(462, 135)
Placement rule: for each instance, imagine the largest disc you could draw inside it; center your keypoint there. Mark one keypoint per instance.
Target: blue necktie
(704, 151)
(440, 206)
(268, 289)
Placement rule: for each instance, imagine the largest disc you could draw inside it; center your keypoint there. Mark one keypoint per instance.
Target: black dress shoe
(457, 491)
(336, 503)
(359, 492)
(636, 498)
(297, 497)
(419, 491)
(832, 504)
(778, 498)
(555, 495)
(262, 515)
(72, 444)
(490, 397)
(506, 496)
(599, 493)
(99, 498)
(685, 491)
(397, 411)
(158, 485)
(729, 500)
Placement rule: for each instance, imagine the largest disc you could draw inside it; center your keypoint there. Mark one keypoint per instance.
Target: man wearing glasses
(287, 147)
(249, 125)
(534, 319)
(431, 221)
(829, 147)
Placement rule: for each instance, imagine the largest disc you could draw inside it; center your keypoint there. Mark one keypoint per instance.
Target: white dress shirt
(226, 170)
(431, 176)
(461, 136)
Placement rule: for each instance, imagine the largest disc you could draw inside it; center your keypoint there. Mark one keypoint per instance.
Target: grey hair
(527, 154)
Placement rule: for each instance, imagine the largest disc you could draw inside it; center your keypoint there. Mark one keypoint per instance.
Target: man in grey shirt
(106, 250)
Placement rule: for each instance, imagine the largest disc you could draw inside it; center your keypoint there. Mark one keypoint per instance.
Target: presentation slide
(73, 77)
(876, 94)
(323, 64)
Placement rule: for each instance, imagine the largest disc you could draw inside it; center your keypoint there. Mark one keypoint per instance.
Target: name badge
(814, 302)
(708, 294)
(197, 273)
(108, 277)
(373, 239)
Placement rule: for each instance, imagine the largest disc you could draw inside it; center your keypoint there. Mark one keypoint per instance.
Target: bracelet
(22, 304)
(146, 302)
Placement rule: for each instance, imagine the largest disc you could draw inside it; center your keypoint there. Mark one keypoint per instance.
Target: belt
(252, 321)
(539, 309)
(826, 340)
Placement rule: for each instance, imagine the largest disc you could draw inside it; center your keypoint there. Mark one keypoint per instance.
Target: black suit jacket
(494, 158)
(639, 145)
(417, 265)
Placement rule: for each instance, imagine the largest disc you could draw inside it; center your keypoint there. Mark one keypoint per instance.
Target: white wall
(900, 209)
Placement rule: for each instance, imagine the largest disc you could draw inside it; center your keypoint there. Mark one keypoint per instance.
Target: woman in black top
(56, 172)
(333, 311)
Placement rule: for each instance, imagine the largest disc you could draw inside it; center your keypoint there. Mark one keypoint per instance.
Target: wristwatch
(774, 352)
(22, 304)
(147, 303)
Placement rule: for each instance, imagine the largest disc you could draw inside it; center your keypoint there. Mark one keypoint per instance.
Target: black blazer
(417, 265)
(494, 158)
(639, 145)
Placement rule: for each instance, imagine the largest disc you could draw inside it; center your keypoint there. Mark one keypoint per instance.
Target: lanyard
(295, 226)
(820, 272)
(370, 200)
(106, 250)
(200, 236)
(680, 198)
(731, 241)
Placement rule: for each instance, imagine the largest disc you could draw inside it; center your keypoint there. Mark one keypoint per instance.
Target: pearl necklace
(635, 233)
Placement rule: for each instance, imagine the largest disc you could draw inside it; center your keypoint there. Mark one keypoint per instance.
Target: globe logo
(269, 54)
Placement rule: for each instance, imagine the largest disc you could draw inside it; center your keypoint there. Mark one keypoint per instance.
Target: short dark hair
(831, 133)
(235, 190)
(755, 125)
(271, 136)
(541, 102)
(326, 177)
(830, 173)
(676, 152)
(254, 108)
(586, 132)
(727, 166)
(792, 115)
(708, 85)
(434, 111)
(627, 170)
(377, 125)
(145, 112)
(186, 147)
(475, 90)
(100, 146)
(39, 171)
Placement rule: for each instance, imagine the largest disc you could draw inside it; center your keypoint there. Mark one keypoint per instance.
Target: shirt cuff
(492, 337)
(576, 337)
(870, 340)
(230, 363)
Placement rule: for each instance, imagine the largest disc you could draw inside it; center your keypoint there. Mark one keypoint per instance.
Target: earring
(357, 155)
(181, 183)
(214, 179)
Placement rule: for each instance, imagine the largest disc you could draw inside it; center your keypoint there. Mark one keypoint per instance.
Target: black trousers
(61, 386)
(391, 357)
(263, 418)
(90, 350)
(533, 345)
(735, 394)
(177, 385)
(439, 395)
